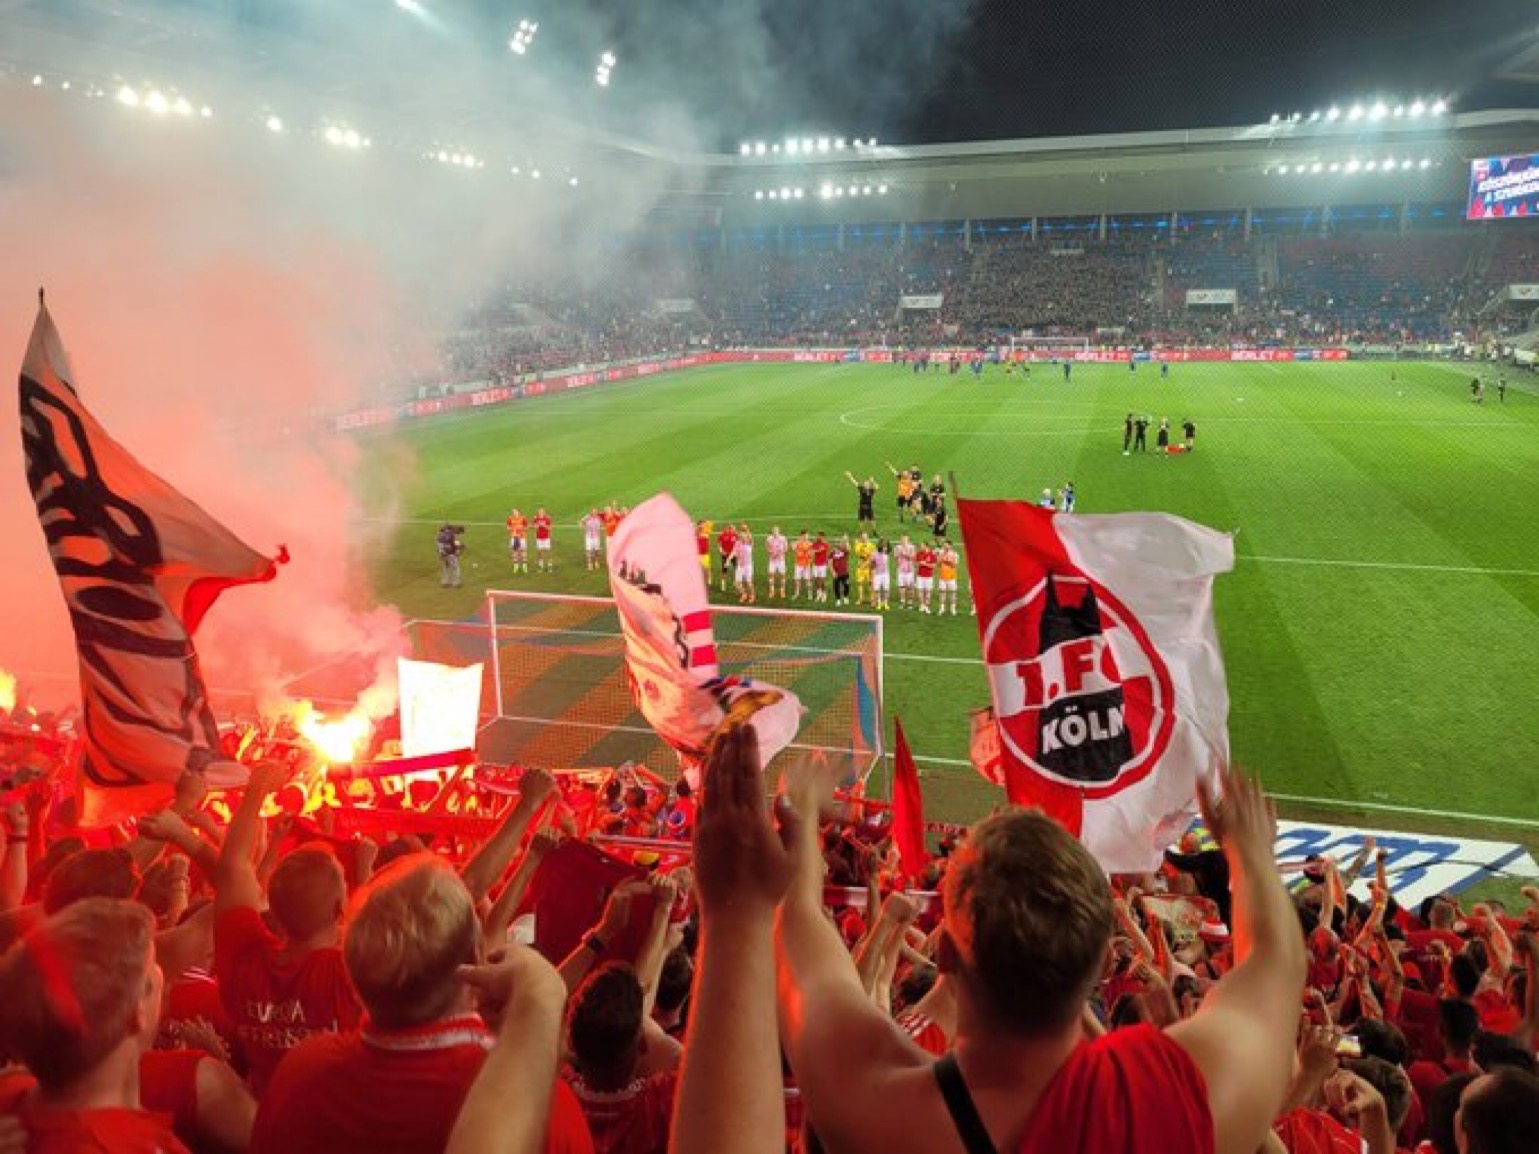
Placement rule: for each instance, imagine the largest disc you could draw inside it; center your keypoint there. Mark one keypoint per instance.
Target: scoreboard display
(1504, 186)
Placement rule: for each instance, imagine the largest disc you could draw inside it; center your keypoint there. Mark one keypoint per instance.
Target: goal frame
(864, 619)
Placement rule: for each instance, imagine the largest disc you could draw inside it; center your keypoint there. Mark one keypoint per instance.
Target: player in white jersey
(903, 556)
(592, 531)
(742, 557)
(881, 577)
(775, 546)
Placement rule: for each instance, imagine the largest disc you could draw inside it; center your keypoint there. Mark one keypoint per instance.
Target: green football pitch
(1379, 627)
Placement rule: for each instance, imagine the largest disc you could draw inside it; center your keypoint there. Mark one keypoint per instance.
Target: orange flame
(7, 691)
(339, 741)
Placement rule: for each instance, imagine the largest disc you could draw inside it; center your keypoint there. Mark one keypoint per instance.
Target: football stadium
(631, 577)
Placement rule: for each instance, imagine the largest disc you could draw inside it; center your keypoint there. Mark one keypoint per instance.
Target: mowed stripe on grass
(1405, 687)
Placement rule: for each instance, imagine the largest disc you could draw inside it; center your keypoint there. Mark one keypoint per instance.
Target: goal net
(555, 693)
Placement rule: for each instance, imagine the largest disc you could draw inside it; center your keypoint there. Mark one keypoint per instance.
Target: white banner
(921, 301)
(676, 305)
(1523, 292)
(1211, 296)
(440, 706)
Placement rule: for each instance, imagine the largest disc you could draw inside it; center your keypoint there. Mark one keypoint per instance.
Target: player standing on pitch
(543, 560)
(865, 514)
(775, 546)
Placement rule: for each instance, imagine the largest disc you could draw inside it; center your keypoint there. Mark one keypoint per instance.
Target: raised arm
(654, 948)
(495, 932)
(617, 912)
(730, 1091)
(170, 827)
(13, 876)
(507, 1109)
(235, 878)
(829, 1024)
(1528, 1030)
(1242, 1037)
(492, 859)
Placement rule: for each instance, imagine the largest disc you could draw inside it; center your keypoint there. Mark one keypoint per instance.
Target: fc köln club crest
(1082, 695)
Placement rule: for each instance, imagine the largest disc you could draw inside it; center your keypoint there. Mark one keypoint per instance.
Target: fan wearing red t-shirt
(626, 1113)
(278, 990)
(397, 1086)
(1027, 918)
(81, 1008)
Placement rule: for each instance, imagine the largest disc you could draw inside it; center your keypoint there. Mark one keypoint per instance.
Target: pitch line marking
(1332, 803)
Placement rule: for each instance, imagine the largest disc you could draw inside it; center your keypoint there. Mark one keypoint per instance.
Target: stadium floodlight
(182, 106)
(791, 147)
(759, 149)
(1370, 165)
(797, 193)
(572, 181)
(838, 190)
(1353, 165)
(839, 144)
(1275, 118)
(758, 194)
(785, 194)
(523, 36)
(826, 191)
(37, 82)
(1334, 113)
(206, 112)
(274, 124)
(1399, 110)
(823, 143)
(772, 194)
(1355, 113)
(1282, 170)
(534, 174)
(606, 66)
(1314, 116)
(1335, 166)
(1316, 167)
(1439, 107)
(128, 97)
(807, 144)
(1406, 164)
(1418, 107)
(744, 149)
(409, 6)
(1379, 111)
(333, 134)
(881, 190)
(1426, 162)
(157, 103)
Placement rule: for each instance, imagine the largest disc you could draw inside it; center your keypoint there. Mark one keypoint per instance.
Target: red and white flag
(670, 648)
(1105, 668)
(139, 565)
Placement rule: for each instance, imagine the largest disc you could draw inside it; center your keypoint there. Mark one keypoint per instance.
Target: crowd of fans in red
(233, 975)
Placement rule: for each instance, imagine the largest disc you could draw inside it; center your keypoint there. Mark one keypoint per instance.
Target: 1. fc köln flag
(1107, 679)
(670, 647)
(139, 565)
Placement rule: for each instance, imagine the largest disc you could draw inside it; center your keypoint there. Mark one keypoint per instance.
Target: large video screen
(1504, 186)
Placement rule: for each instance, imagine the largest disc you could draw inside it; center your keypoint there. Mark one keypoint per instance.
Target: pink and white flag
(670, 648)
(1105, 668)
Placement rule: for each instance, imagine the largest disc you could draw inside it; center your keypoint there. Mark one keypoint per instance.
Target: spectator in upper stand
(81, 1006)
(399, 1084)
(1027, 920)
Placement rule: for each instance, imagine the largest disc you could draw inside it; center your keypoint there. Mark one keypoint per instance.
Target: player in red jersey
(924, 567)
(611, 517)
(726, 550)
(820, 552)
(518, 540)
(542, 555)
